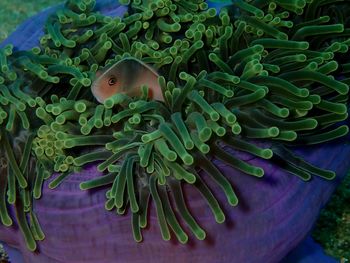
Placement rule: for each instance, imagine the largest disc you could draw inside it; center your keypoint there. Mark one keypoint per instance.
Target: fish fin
(134, 63)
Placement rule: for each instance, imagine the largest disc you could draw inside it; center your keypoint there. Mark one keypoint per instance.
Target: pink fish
(126, 76)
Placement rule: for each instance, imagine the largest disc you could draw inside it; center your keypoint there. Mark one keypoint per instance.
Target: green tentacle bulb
(257, 76)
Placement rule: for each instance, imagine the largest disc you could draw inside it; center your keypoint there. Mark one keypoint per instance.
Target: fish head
(126, 76)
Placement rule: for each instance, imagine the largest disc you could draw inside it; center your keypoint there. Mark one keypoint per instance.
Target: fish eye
(112, 81)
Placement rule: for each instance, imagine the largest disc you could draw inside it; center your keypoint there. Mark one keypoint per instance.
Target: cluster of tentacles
(261, 76)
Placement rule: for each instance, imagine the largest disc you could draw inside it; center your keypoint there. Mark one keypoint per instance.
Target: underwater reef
(332, 229)
(261, 87)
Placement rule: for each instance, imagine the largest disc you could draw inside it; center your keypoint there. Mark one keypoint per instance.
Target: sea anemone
(245, 88)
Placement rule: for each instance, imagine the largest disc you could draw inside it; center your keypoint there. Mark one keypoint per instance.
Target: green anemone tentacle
(258, 71)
